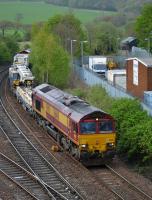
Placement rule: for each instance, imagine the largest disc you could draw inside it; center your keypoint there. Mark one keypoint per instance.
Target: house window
(38, 105)
(135, 72)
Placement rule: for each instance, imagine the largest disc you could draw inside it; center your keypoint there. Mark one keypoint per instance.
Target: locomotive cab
(97, 138)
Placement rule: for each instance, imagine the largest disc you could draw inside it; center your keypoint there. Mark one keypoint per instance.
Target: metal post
(81, 42)
(72, 50)
(47, 76)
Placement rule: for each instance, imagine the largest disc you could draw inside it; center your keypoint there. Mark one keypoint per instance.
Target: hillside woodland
(110, 5)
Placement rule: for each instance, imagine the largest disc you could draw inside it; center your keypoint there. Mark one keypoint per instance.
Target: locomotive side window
(88, 127)
(106, 126)
(38, 105)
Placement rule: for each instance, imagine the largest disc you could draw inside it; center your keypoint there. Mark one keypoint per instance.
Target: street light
(118, 45)
(81, 42)
(72, 50)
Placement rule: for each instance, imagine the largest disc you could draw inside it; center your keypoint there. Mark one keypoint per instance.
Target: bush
(79, 92)
(134, 129)
(5, 55)
(95, 95)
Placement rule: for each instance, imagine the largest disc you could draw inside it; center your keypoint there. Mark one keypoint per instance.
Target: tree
(50, 61)
(12, 45)
(103, 37)
(8, 47)
(66, 28)
(5, 25)
(144, 25)
(5, 55)
(134, 138)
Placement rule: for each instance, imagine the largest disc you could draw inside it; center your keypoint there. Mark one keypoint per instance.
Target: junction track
(26, 181)
(117, 184)
(38, 165)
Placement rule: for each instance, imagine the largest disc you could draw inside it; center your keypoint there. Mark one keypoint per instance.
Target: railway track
(38, 165)
(119, 185)
(22, 178)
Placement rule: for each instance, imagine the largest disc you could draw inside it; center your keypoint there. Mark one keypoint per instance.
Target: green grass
(34, 12)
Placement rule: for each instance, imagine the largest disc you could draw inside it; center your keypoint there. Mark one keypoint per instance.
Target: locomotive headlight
(110, 145)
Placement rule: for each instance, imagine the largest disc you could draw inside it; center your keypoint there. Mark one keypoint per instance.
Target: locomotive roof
(67, 103)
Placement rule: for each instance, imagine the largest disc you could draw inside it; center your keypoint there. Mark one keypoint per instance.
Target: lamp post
(81, 42)
(118, 45)
(71, 42)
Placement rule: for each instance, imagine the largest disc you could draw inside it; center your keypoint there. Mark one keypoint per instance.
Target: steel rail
(48, 189)
(129, 183)
(24, 179)
(24, 191)
(28, 128)
(18, 153)
(111, 180)
(66, 191)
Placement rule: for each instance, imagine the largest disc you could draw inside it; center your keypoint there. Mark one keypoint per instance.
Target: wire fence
(91, 78)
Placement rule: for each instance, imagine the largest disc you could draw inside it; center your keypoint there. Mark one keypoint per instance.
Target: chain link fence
(91, 78)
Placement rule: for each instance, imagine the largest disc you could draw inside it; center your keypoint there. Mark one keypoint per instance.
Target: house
(139, 76)
(128, 43)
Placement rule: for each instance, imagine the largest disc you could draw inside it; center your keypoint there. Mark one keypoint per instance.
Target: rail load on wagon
(88, 133)
(22, 58)
(20, 75)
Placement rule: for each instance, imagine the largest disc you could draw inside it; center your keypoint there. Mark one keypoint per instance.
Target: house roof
(128, 40)
(146, 61)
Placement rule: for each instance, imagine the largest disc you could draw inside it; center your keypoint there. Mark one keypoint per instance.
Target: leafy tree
(103, 37)
(8, 47)
(5, 55)
(4, 25)
(135, 143)
(50, 61)
(12, 45)
(144, 25)
(134, 128)
(67, 28)
(128, 113)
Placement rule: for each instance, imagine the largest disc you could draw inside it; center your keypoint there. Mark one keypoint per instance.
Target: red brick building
(139, 76)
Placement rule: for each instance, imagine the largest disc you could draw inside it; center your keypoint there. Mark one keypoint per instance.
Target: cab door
(74, 131)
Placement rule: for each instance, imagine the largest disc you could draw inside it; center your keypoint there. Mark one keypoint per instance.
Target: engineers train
(88, 133)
